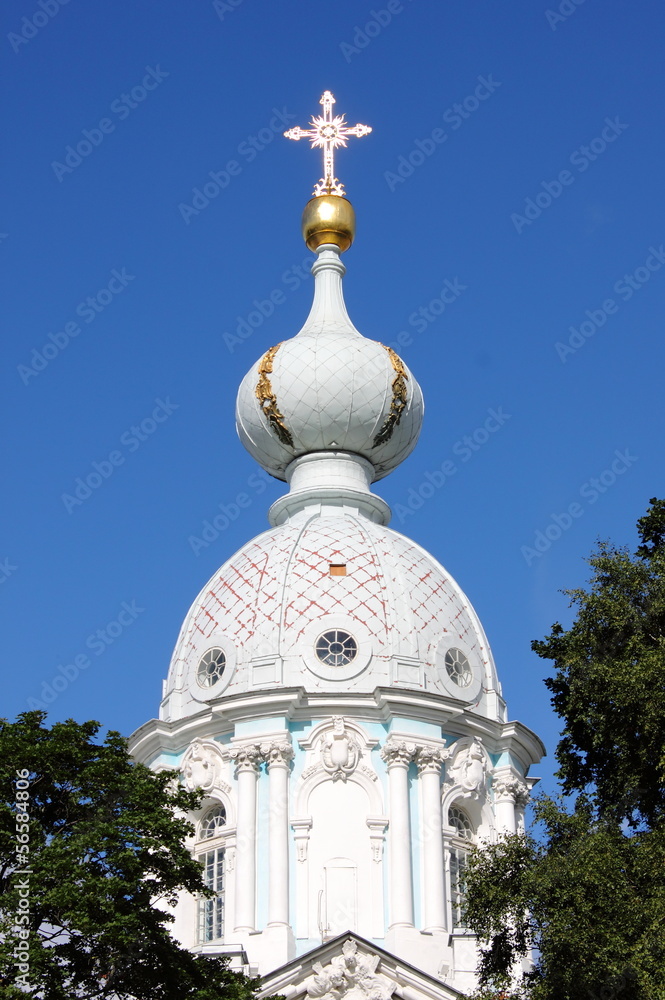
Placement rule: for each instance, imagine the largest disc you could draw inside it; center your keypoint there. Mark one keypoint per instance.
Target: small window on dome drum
(336, 648)
(211, 667)
(338, 569)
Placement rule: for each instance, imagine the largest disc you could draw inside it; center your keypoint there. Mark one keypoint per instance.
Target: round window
(458, 667)
(213, 822)
(211, 667)
(460, 822)
(336, 648)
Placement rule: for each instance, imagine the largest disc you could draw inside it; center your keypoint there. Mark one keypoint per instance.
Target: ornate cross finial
(328, 133)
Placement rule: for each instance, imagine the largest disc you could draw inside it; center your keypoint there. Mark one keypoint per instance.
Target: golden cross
(327, 133)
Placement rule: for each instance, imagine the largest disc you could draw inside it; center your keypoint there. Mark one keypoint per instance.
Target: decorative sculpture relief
(511, 787)
(309, 771)
(268, 400)
(301, 828)
(276, 752)
(201, 766)
(522, 796)
(429, 759)
(398, 401)
(247, 758)
(398, 752)
(351, 975)
(377, 826)
(340, 751)
(469, 770)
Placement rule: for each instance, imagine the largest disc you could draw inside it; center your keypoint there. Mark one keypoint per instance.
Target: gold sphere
(328, 219)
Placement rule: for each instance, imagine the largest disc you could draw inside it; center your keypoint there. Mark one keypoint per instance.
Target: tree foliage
(95, 843)
(586, 888)
(609, 682)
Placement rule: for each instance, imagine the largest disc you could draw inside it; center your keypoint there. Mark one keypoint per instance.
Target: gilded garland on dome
(267, 398)
(397, 403)
(327, 133)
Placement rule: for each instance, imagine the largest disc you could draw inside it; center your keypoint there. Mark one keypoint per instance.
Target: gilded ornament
(398, 402)
(267, 398)
(328, 219)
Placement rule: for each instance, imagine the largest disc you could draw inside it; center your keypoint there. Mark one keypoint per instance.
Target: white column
(277, 756)
(508, 790)
(429, 772)
(398, 756)
(247, 769)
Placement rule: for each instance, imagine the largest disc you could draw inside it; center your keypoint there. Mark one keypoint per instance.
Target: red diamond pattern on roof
(266, 596)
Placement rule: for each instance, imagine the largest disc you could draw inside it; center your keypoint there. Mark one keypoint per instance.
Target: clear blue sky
(565, 110)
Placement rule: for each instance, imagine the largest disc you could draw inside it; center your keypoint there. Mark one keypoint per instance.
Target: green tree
(585, 890)
(90, 842)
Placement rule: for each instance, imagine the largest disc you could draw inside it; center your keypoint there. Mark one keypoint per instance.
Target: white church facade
(332, 692)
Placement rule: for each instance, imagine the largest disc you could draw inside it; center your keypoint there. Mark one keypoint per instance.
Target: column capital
(509, 786)
(246, 758)
(398, 753)
(276, 752)
(429, 759)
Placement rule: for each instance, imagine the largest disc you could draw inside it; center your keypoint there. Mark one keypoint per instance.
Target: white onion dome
(329, 389)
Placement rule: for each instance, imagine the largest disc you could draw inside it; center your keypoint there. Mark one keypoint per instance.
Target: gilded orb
(329, 219)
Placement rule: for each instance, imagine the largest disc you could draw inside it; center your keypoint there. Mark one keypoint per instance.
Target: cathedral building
(332, 692)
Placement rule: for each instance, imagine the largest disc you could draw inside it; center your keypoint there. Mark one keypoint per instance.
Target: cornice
(294, 703)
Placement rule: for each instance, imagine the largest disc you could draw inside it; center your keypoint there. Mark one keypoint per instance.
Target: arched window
(212, 823)
(463, 836)
(460, 822)
(211, 909)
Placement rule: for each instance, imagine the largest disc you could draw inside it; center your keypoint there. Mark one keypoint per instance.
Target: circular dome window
(336, 648)
(458, 667)
(211, 667)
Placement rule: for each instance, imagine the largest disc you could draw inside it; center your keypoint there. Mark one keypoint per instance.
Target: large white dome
(323, 572)
(329, 389)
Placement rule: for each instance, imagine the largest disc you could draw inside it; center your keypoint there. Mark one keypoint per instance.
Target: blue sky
(511, 190)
